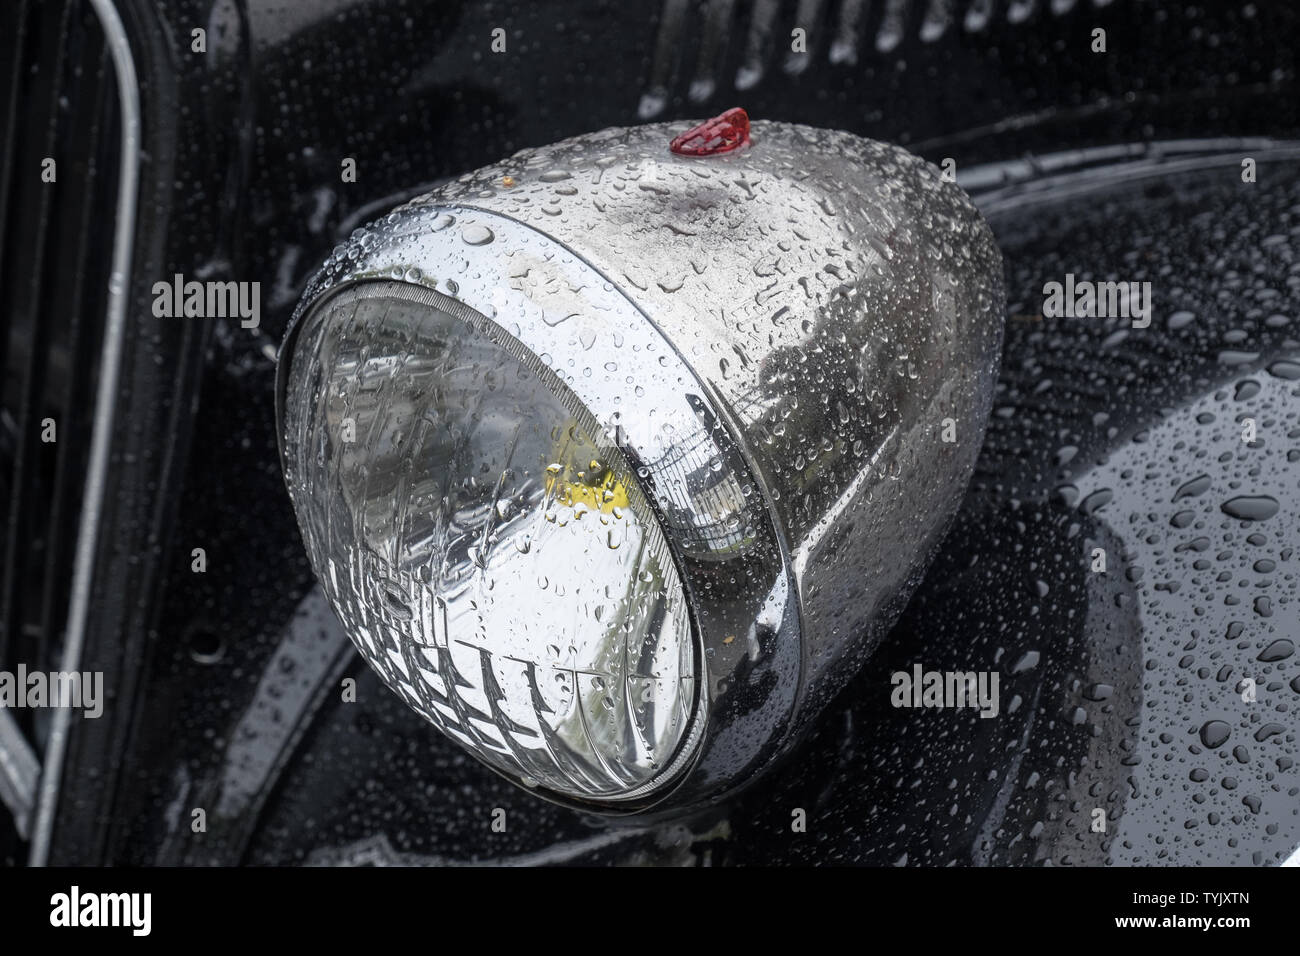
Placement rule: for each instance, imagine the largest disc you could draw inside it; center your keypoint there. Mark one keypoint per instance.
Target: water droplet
(476, 235)
(1279, 650)
(1215, 733)
(1190, 489)
(1250, 507)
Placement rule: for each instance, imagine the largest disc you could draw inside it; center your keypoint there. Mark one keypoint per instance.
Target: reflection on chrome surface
(788, 350)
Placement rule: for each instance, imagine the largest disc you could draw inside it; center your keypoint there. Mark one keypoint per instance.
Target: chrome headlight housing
(616, 463)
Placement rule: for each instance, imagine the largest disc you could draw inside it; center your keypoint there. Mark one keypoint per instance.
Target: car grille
(55, 245)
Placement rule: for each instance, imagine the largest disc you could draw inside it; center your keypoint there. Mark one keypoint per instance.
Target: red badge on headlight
(721, 134)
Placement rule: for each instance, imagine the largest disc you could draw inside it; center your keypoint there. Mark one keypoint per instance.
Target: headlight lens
(487, 547)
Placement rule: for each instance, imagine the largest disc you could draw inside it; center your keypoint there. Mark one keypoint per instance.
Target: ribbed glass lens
(487, 549)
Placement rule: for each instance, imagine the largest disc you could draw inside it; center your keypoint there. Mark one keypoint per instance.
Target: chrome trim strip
(105, 406)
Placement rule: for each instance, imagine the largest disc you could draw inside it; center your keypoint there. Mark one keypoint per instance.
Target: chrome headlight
(615, 462)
